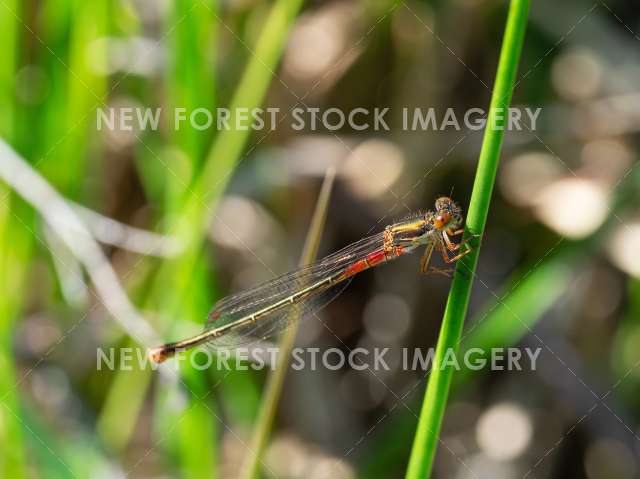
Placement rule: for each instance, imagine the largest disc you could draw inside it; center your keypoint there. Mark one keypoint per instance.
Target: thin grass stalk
(273, 390)
(433, 406)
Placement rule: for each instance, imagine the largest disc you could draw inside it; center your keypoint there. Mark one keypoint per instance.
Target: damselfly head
(448, 214)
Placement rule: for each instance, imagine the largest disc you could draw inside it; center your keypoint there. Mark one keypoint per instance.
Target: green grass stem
(433, 406)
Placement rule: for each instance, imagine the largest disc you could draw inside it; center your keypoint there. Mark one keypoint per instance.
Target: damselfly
(269, 308)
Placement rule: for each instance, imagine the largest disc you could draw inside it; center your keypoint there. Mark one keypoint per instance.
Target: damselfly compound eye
(442, 220)
(443, 203)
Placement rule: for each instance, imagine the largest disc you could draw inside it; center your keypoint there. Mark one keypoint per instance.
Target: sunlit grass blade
(9, 35)
(228, 146)
(191, 84)
(81, 67)
(505, 321)
(433, 406)
(15, 252)
(62, 456)
(174, 278)
(514, 312)
(191, 80)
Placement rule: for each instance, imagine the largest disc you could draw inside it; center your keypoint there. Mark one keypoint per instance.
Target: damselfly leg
(451, 246)
(426, 257)
(445, 245)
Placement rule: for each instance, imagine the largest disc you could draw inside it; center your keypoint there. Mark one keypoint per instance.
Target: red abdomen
(372, 259)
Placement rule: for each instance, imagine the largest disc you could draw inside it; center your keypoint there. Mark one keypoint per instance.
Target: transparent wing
(274, 324)
(233, 308)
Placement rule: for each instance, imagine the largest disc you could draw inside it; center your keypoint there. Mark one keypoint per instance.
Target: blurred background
(185, 217)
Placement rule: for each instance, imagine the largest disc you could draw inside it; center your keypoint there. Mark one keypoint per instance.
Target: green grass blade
(9, 36)
(269, 405)
(174, 279)
(15, 251)
(197, 434)
(70, 124)
(120, 403)
(528, 296)
(227, 149)
(507, 320)
(191, 79)
(427, 434)
(192, 85)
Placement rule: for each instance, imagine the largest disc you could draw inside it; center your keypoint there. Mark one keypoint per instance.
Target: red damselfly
(269, 308)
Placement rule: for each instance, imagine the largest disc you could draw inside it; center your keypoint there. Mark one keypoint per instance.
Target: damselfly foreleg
(451, 246)
(425, 260)
(444, 250)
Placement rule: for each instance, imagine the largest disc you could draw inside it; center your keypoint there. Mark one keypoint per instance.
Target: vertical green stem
(427, 434)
